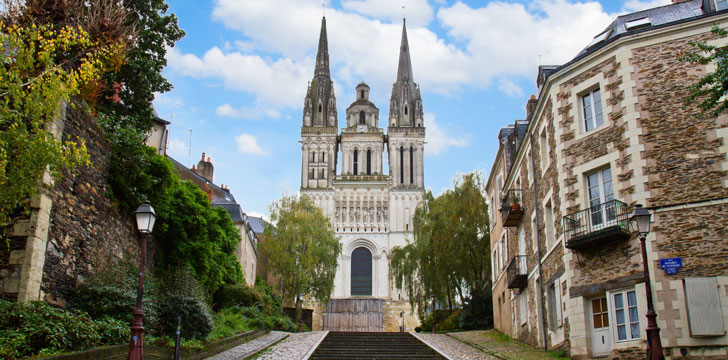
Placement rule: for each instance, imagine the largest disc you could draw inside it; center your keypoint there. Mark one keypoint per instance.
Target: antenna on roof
(189, 150)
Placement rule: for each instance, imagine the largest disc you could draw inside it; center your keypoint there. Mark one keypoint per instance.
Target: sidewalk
(502, 346)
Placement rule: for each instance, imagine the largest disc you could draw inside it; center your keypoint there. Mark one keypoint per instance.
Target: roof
(257, 223)
(218, 194)
(234, 209)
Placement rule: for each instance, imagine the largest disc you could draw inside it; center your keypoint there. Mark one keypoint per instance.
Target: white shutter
(559, 315)
(703, 303)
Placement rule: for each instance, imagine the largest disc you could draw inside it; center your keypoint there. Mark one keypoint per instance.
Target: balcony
(512, 208)
(517, 272)
(604, 223)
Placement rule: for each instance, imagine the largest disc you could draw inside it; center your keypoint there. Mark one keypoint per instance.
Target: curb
(487, 351)
(315, 346)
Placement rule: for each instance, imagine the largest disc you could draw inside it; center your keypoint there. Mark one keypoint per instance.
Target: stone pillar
(420, 166)
(346, 267)
(304, 171)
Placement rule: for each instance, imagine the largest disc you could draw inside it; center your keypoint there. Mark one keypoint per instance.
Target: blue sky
(240, 76)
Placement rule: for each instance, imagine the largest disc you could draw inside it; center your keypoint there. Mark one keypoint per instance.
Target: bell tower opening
(362, 118)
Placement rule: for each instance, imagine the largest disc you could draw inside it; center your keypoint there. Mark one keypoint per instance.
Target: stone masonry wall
(86, 230)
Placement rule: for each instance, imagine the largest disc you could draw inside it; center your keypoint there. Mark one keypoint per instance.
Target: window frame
(592, 105)
(614, 325)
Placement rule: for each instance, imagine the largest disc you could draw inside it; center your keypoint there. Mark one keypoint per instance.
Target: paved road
(251, 347)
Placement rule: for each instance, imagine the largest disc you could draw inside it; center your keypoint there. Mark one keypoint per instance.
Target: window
(369, 162)
(638, 23)
(491, 211)
(544, 145)
(323, 156)
(310, 174)
(405, 109)
(323, 174)
(523, 307)
(361, 272)
(362, 94)
(554, 305)
(548, 215)
(601, 195)
(320, 108)
(702, 300)
(626, 316)
(721, 5)
(356, 162)
(600, 314)
(591, 105)
(362, 118)
(412, 162)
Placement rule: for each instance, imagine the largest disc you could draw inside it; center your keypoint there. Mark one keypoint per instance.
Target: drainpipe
(539, 294)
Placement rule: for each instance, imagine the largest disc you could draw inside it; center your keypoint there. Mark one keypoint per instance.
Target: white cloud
(509, 87)
(281, 82)
(248, 113)
(177, 148)
(248, 144)
(418, 12)
(437, 140)
(637, 5)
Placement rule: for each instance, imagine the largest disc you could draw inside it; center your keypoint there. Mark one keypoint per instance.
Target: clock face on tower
(362, 127)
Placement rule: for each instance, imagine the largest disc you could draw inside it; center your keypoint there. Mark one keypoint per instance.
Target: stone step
(368, 346)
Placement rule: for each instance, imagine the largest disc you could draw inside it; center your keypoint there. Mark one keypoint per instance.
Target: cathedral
(371, 211)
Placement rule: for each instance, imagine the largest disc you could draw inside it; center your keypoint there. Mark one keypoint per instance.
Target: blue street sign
(671, 265)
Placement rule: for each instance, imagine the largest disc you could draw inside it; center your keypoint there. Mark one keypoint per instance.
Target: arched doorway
(361, 272)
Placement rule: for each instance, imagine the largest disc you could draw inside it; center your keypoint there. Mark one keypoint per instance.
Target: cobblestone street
(453, 348)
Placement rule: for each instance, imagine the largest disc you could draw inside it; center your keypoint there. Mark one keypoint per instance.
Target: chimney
(531, 105)
(205, 168)
(209, 192)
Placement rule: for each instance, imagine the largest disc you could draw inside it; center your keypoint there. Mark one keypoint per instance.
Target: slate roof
(234, 209)
(257, 224)
(218, 193)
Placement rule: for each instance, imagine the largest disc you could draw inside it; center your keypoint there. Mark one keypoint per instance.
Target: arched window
(356, 162)
(362, 94)
(323, 174)
(401, 165)
(412, 173)
(405, 109)
(369, 162)
(313, 156)
(323, 156)
(320, 108)
(362, 118)
(361, 272)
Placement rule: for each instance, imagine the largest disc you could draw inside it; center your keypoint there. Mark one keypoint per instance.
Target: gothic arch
(354, 244)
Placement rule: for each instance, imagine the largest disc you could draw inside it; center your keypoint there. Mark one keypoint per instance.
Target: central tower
(371, 211)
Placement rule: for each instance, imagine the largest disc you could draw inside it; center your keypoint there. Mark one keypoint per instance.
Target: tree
(35, 84)
(302, 249)
(710, 90)
(448, 258)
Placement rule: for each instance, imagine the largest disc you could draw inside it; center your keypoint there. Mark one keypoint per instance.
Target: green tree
(448, 258)
(709, 91)
(302, 249)
(35, 85)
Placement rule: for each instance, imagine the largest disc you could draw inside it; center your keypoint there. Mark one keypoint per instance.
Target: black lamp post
(145, 218)
(640, 221)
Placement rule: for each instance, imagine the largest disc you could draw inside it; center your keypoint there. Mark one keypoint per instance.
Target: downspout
(539, 294)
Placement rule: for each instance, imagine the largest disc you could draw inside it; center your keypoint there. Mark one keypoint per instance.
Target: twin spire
(320, 107)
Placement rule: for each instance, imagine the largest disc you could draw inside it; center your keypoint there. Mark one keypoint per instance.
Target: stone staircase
(373, 345)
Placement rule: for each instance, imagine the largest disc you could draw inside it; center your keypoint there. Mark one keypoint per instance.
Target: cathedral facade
(371, 211)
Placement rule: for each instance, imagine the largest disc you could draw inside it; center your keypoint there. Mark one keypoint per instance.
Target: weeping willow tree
(448, 258)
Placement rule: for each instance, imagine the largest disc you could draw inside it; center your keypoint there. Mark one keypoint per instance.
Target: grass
(495, 342)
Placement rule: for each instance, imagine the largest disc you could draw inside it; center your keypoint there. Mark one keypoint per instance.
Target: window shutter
(703, 303)
(559, 315)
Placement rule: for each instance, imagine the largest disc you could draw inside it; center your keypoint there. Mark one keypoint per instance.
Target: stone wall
(84, 231)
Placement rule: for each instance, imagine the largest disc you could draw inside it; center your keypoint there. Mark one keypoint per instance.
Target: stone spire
(319, 109)
(322, 56)
(405, 108)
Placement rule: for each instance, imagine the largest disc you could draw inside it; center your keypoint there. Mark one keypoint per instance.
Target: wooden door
(601, 333)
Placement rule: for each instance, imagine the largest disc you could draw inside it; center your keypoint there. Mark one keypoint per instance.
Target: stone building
(609, 130)
(371, 211)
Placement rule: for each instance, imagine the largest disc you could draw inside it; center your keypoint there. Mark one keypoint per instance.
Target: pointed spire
(404, 71)
(322, 57)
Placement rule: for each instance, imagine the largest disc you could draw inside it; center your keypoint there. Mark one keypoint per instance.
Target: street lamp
(145, 218)
(640, 221)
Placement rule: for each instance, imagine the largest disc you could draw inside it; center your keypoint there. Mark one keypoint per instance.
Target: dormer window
(721, 5)
(638, 23)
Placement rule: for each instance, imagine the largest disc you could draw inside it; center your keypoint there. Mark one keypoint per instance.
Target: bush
(236, 295)
(228, 322)
(452, 322)
(196, 318)
(478, 311)
(35, 327)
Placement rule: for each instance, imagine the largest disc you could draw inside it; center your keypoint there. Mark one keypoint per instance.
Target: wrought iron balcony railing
(512, 208)
(517, 272)
(606, 222)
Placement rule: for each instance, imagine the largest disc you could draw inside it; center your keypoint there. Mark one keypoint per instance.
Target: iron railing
(517, 272)
(605, 221)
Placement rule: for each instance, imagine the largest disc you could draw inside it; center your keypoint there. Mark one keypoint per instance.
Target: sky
(241, 72)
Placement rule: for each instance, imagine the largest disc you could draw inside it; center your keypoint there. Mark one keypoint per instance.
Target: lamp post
(640, 221)
(145, 218)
